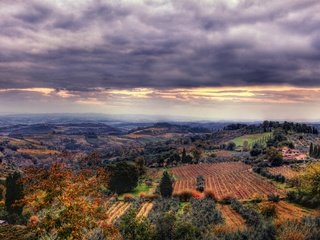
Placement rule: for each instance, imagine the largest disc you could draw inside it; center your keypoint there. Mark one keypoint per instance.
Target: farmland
(151, 176)
(229, 179)
(287, 171)
(231, 218)
(116, 211)
(251, 138)
(289, 211)
(144, 210)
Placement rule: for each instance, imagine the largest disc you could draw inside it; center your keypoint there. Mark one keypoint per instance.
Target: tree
(245, 146)
(132, 228)
(256, 150)
(274, 156)
(140, 164)
(231, 146)
(311, 150)
(200, 183)
(196, 155)
(165, 226)
(184, 155)
(166, 185)
(174, 158)
(186, 231)
(14, 193)
(123, 177)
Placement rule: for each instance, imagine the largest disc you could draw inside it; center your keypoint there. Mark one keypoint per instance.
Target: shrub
(308, 228)
(227, 199)
(268, 210)
(273, 198)
(161, 206)
(210, 194)
(200, 183)
(265, 173)
(184, 196)
(251, 217)
(204, 213)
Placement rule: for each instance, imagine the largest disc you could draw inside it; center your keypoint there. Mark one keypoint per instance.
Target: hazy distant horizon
(140, 117)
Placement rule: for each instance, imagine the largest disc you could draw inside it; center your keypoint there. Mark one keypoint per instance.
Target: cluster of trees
(278, 139)
(289, 126)
(256, 150)
(314, 151)
(308, 186)
(230, 146)
(274, 157)
(165, 154)
(268, 126)
(235, 126)
(13, 198)
(265, 173)
(60, 202)
(252, 217)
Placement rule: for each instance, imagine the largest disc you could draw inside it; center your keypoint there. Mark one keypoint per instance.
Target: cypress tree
(317, 154)
(315, 151)
(311, 150)
(14, 193)
(184, 155)
(166, 185)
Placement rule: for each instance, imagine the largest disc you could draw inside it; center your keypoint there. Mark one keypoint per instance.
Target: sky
(217, 59)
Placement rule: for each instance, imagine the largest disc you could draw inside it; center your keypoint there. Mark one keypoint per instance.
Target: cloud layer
(164, 44)
(216, 58)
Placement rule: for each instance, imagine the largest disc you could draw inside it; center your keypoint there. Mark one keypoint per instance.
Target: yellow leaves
(310, 179)
(65, 201)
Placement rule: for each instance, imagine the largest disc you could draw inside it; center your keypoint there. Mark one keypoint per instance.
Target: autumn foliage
(76, 201)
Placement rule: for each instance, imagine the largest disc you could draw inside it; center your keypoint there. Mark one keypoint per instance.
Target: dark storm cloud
(81, 45)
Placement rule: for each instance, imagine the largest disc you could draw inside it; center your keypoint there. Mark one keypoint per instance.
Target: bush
(132, 229)
(161, 206)
(268, 210)
(256, 150)
(231, 146)
(184, 196)
(273, 198)
(265, 173)
(210, 194)
(204, 213)
(200, 183)
(307, 229)
(251, 217)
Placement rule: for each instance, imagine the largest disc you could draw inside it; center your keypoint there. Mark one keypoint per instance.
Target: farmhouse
(293, 154)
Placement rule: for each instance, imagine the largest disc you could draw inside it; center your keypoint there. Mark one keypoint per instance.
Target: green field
(251, 138)
(142, 187)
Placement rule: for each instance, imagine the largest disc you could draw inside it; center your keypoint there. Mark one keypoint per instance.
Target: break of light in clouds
(217, 59)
